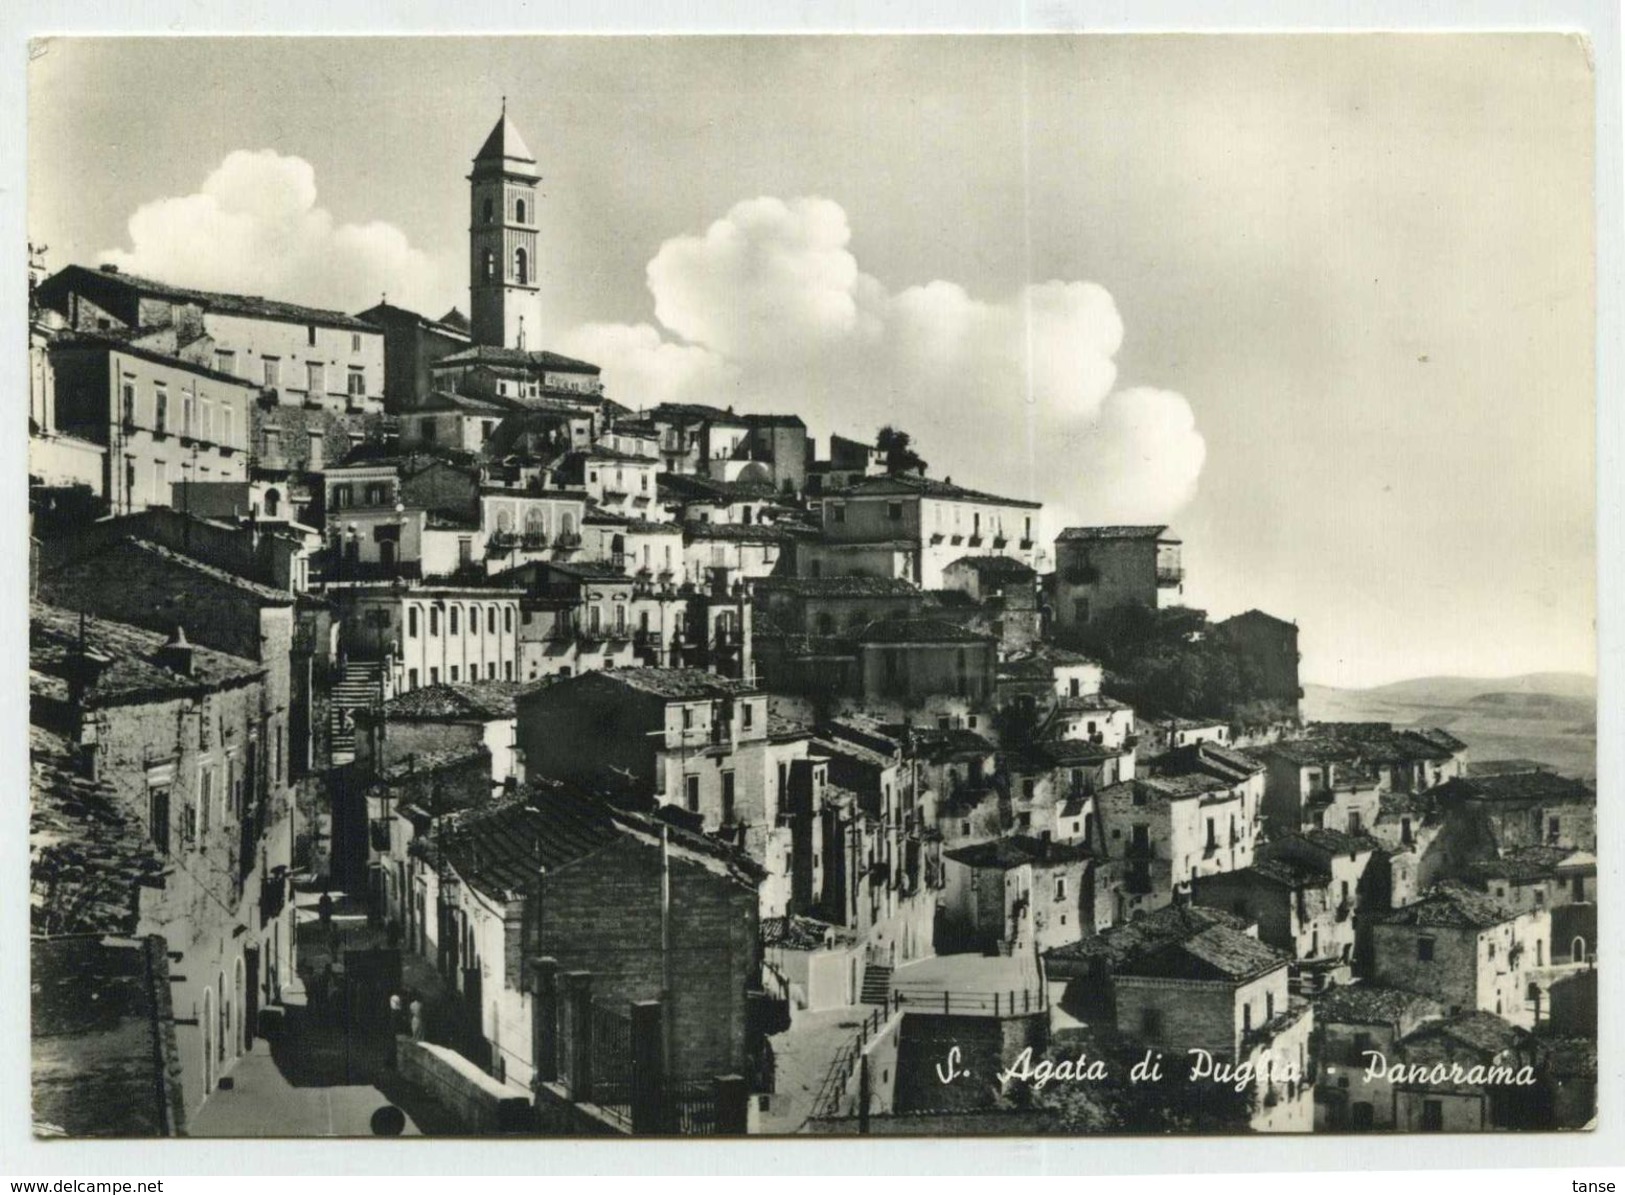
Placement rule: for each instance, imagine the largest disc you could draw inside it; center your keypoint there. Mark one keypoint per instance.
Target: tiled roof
(1308, 752)
(131, 659)
(470, 404)
(1371, 1004)
(1532, 863)
(746, 533)
(112, 342)
(1040, 663)
(919, 630)
(1061, 753)
(682, 684)
(1002, 854)
(1112, 532)
(1518, 786)
(1481, 1031)
(690, 412)
(249, 305)
(938, 744)
(490, 354)
(839, 586)
(1215, 952)
(1288, 873)
(1379, 742)
(89, 853)
(1258, 616)
(103, 1037)
(485, 701)
(504, 144)
(1336, 842)
(907, 485)
(1134, 939)
(501, 848)
(1451, 906)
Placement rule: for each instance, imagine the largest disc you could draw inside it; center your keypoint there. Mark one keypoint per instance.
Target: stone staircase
(876, 984)
(359, 687)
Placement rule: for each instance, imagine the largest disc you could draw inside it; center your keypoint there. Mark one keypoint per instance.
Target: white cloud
(255, 226)
(770, 309)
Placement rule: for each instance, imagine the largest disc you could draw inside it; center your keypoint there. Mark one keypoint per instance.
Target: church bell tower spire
(503, 292)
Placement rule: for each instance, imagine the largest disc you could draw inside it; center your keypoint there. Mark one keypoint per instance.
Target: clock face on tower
(503, 292)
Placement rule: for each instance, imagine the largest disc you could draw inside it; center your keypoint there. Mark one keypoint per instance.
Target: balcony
(1168, 578)
(534, 541)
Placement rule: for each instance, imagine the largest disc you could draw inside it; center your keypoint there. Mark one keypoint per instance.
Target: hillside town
(415, 720)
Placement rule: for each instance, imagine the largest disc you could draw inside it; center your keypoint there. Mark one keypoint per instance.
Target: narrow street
(330, 1070)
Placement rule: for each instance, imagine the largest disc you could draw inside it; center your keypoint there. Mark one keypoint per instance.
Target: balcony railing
(1170, 576)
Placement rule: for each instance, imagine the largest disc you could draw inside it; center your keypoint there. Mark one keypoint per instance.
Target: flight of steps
(360, 686)
(876, 984)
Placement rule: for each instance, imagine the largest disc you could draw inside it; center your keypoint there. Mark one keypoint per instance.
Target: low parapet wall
(482, 1103)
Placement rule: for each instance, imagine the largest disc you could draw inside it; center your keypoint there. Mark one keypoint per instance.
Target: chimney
(84, 665)
(109, 268)
(176, 655)
(315, 462)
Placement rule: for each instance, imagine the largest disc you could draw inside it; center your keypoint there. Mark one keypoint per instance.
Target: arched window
(490, 265)
(273, 502)
(520, 263)
(1577, 950)
(519, 211)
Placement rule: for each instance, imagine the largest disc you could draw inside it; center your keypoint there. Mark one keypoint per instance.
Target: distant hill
(1545, 716)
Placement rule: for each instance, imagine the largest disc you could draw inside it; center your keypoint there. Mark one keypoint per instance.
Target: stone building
(1269, 646)
(1527, 808)
(1224, 992)
(159, 419)
(942, 522)
(1352, 1022)
(559, 876)
(295, 355)
(1018, 894)
(412, 343)
(1466, 950)
(191, 746)
(1102, 569)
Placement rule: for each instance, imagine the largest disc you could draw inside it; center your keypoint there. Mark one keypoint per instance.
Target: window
(412, 622)
(129, 402)
(1060, 887)
(519, 211)
(1246, 1018)
(355, 342)
(688, 718)
(225, 361)
(1424, 950)
(521, 264)
(412, 673)
(507, 670)
(158, 818)
(746, 714)
(357, 383)
(489, 209)
(453, 674)
(491, 620)
(161, 412)
(1269, 1007)
(727, 796)
(205, 798)
(310, 335)
(894, 511)
(434, 674)
(452, 614)
(434, 621)
(837, 512)
(272, 368)
(507, 618)
(691, 793)
(489, 265)
(315, 377)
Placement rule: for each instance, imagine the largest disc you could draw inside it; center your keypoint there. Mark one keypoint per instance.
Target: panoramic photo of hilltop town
(438, 727)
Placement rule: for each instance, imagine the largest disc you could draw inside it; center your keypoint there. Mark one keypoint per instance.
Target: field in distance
(1549, 717)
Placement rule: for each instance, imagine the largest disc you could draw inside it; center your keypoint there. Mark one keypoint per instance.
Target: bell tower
(505, 299)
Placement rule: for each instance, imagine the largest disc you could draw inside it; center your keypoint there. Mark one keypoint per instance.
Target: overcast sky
(1323, 304)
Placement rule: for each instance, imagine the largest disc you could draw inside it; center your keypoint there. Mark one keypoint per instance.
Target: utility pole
(665, 964)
